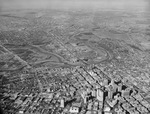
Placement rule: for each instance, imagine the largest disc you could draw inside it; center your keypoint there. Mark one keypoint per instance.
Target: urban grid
(76, 61)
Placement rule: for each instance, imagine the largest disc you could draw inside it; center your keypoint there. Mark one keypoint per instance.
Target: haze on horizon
(141, 5)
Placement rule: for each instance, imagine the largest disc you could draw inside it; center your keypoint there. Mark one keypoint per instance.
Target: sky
(76, 4)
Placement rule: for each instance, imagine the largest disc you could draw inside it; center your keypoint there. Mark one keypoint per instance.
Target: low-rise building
(74, 110)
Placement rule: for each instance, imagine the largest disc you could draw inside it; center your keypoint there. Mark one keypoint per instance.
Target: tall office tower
(119, 87)
(84, 95)
(93, 93)
(110, 92)
(100, 95)
(114, 86)
(85, 99)
(62, 102)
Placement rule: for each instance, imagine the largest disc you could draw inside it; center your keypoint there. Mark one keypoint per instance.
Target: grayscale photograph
(74, 56)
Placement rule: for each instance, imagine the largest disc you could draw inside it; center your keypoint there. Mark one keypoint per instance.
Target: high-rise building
(110, 94)
(85, 99)
(115, 87)
(100, 95)
(93, 93)
(110, 91)
(62, 103)
(125, 92)
(120, 87)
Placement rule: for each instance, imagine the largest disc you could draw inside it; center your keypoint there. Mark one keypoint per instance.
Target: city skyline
(74, 57)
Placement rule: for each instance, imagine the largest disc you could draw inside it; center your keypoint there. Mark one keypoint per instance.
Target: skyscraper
(120, 87)
(62, 103)
(100, 95)
(85, 99)
(93, 93)
(110, 94)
